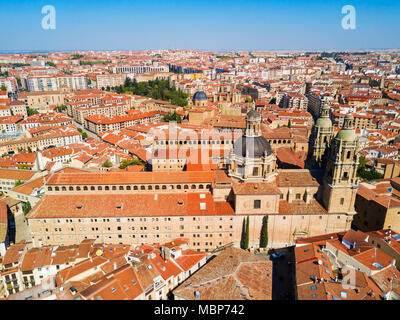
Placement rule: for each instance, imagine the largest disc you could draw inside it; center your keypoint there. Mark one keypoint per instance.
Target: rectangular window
(257, 204)
(255, 171)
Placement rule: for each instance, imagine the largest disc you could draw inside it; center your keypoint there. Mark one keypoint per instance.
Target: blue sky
(202, 24)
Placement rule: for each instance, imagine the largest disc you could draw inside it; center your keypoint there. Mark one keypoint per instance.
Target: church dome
(199, 95)
(259, 145)
(323, 123)
(253, 115)
(347, 133)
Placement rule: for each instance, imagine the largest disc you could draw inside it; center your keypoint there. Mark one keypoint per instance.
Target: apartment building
(58, 139)
(133, 69)
(361, 121)
(100, 123)
(54, 83)
(111, 80)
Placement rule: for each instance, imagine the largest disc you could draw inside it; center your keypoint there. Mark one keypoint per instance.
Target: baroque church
(298, 203)
(211, 208)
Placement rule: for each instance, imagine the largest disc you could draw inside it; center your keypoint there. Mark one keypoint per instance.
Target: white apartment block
(53, 83)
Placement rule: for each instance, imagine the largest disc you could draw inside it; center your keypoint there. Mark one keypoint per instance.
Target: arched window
(71, 188)
(85, 188)
(121, 187)
(193, 186)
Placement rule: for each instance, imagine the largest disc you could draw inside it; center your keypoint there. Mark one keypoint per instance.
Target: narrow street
(284, 278)
(22, 230)
(90, 134)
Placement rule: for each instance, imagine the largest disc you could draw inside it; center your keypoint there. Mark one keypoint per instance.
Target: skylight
(396, 237)
(377, 265)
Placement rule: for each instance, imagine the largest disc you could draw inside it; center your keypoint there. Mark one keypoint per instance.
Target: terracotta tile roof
(14, 253)
(234, 274)
(112, 205)
(11, 174)
(300, 207)
(247, 188)
(298, 178)
(388, 279)
(28, 187)
(36, 258)
(189, 258)
(287, 156)
(122, 284)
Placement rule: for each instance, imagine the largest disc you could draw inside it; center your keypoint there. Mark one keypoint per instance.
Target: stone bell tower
(340, 180)
(320, 140)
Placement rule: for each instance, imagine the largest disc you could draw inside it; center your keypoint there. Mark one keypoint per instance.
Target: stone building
(210, 208)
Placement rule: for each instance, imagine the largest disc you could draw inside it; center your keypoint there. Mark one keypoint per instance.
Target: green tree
(3, 88)
(27, 207)
(24, 167)
(31, 112)
(366, 174)
(18, 183)
(264, 233)
(246, 235)
(172, 116)
(84, 135)
(107, 164)
(129, 162)
(289, 124)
